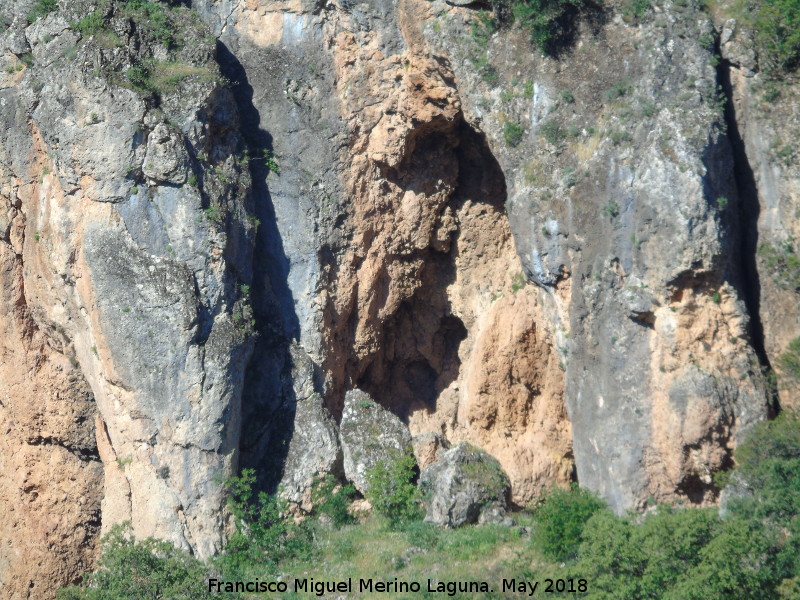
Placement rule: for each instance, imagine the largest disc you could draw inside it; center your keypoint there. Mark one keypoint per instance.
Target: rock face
(581, 265)
(370, 435)
(123, 313)
(465, 485)
(313, 448)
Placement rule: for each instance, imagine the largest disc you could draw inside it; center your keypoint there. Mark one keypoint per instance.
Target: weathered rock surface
(370, 435)
(464, 486)
(428, 447)
(314, 444)
(125, 287)
(383, 232)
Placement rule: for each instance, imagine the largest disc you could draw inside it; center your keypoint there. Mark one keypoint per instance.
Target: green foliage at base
(145, 570)
(672, 553)
(265, 535)
(560, 521)
(391, 489)
(333, 500)
(693, 554)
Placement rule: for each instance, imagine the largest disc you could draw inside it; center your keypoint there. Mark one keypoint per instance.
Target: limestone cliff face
(125, 246)
(552, 259)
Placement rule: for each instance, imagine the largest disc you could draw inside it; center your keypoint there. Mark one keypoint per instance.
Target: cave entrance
(420, 354)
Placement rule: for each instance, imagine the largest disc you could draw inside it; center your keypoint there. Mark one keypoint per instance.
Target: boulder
(466, 485)
(314, 445)
(369, 434)
(428, 447)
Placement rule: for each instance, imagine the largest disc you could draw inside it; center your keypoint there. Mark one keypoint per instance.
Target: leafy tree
(264, 535)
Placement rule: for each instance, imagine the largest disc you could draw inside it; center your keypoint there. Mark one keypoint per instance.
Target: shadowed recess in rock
(268, 397)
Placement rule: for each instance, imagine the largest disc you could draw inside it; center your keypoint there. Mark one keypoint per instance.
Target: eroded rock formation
(553, 259)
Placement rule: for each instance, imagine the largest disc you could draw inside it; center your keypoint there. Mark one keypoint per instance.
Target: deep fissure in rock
(747, 219)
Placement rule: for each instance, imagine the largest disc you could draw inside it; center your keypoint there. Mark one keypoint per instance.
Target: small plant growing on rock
(213, 214)
(512, 134)
(611, 210)
(552, 132)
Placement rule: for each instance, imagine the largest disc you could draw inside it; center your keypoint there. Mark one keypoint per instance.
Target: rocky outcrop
(763, 119)
(127, 249)
(313, 447)
(370, 435)
(465, 486)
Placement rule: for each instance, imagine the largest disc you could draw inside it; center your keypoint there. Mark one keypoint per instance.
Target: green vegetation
(519, 281)
(789, 362)
(548, 21)
(776, 25)
(611, 209)
(165, 76)
(552, 131)
(672, 553)
(782, 263)
(41, 9)
(482, 29)
(333, 501)
(149, 569)
(512, 133)
(560, 521)
(213, 214)
(634, 10)
(264, 536)
(391, 489)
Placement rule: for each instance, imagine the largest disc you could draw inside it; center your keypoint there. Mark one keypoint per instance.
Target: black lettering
(549, 587)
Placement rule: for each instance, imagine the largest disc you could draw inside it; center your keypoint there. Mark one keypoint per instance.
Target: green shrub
(154, 17)
(560, 521)
(512, 134)
(776, 24)
(546, 20)
(391, 489)
(332, 500)
(552, 132)
(42, 8)
(769, 463)
(264, 535)
(145, 570)
(91, 24)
